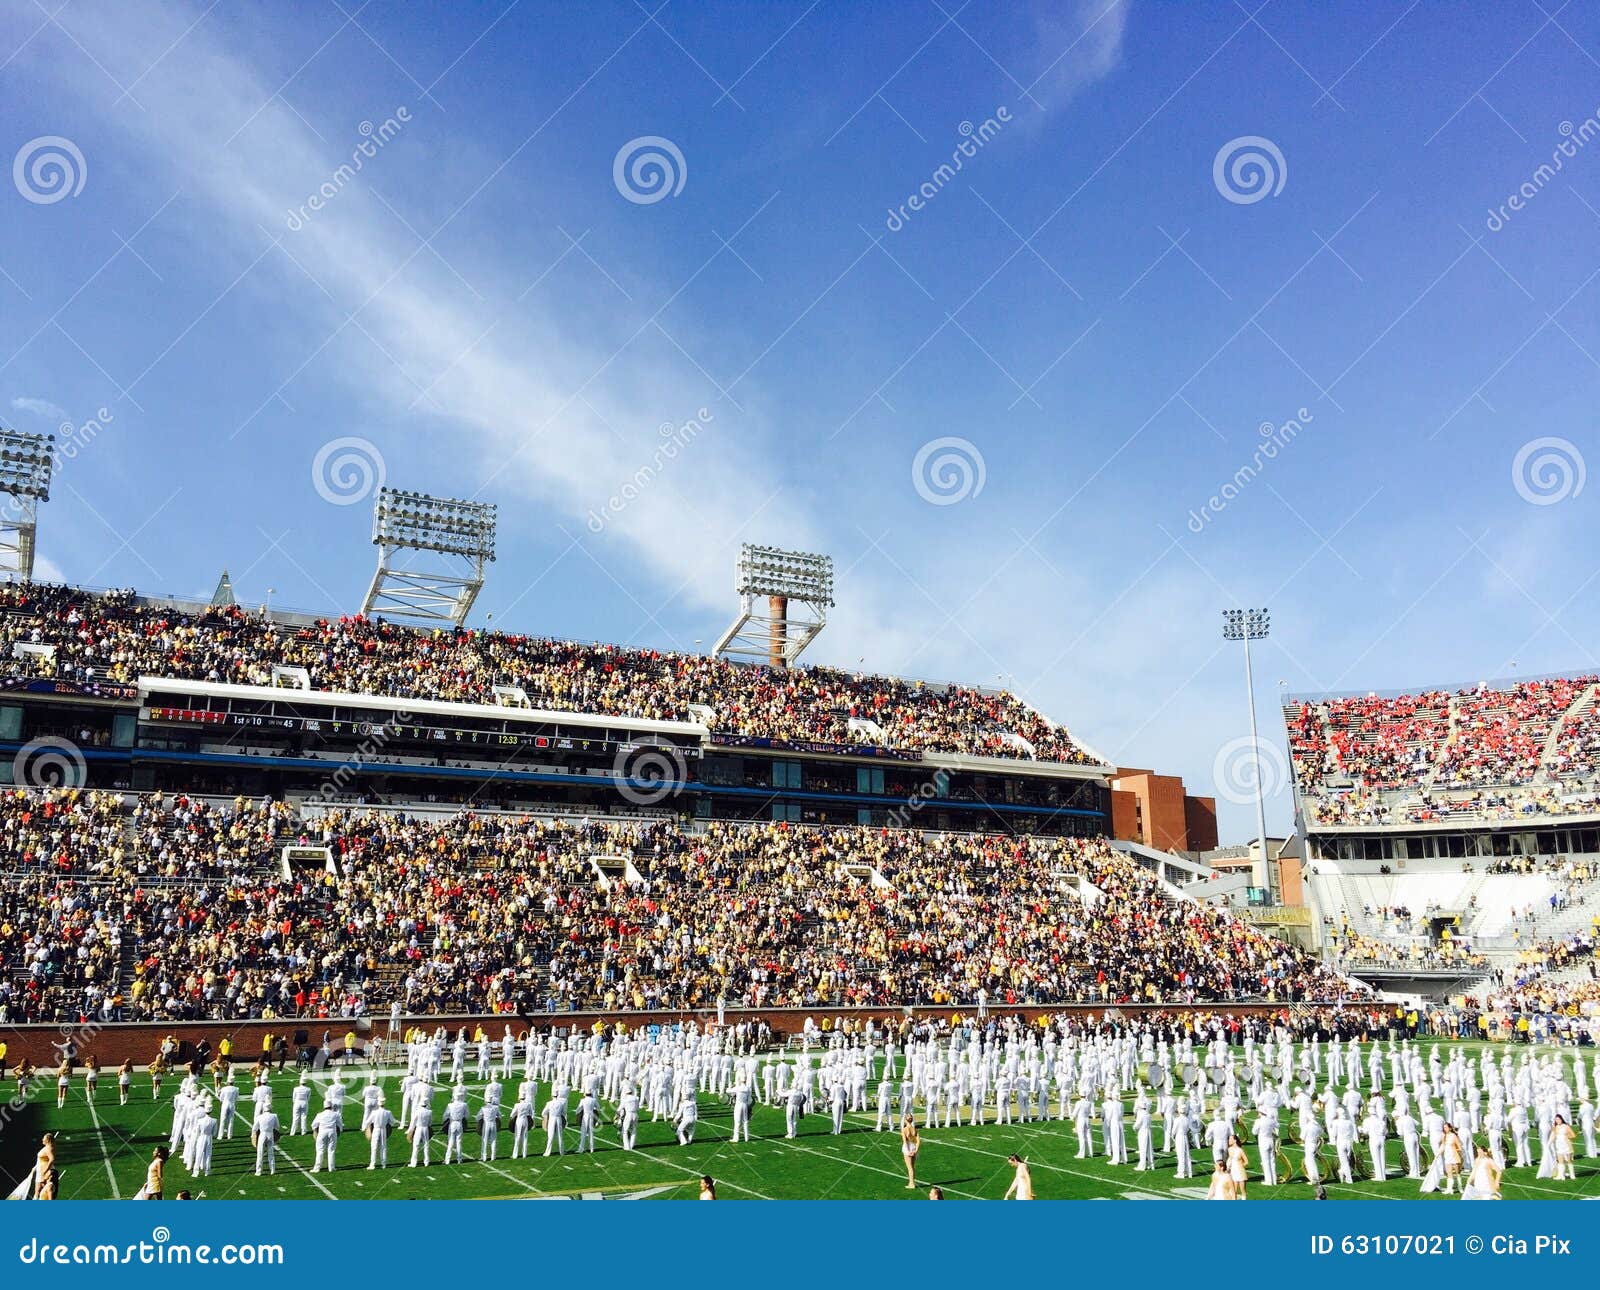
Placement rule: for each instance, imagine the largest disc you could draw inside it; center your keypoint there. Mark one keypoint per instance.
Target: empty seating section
(1441, 915)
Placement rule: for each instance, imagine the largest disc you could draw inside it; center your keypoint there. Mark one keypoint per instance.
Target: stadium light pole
(1252, 625)
(797, 588)
(431, 555)
(26, 464)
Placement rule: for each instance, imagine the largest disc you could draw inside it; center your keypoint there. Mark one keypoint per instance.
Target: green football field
(103, 1151)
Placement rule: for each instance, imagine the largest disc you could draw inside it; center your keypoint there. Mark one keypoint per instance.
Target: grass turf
(102, 1152)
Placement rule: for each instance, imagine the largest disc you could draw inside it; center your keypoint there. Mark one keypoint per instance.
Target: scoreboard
(410, 729)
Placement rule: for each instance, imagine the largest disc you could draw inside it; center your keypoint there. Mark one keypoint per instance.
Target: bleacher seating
(503, 913)
(118, 637)
(1490, 910)
(1490, 753)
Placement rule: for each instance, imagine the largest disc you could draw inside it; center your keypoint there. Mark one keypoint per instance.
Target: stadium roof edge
(1018, 765)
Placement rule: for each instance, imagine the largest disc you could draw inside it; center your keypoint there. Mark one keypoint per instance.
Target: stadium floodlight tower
(26, 462)
(1252, 625)
(408, 529)
(797, 587)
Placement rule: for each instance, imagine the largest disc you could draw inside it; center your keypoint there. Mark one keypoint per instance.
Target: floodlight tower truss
(784, 598)
(431, 556)
(26, 462)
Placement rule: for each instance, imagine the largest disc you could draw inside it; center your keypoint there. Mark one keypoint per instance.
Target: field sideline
(103, 1151)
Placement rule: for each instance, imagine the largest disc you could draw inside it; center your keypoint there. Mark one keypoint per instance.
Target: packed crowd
(1498, 736)
(117, 637)
(173, 910)
(1530, 749)
(1375, 743)
(80, 873)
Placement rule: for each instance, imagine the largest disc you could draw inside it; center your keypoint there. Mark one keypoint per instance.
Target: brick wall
(112, 1044)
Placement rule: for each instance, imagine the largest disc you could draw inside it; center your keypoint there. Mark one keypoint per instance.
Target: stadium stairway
(1161, 864)
(127, 960)
(1574, 715)
(1452, 713)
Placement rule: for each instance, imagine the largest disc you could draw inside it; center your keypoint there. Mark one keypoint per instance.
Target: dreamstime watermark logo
(73, 439)
(1549, 470)
(973, 138)
(49, 168)
(160, 1250)
(1249, 168)
(74, 1036)
(649, 771)
(948, 470)
(373, 139)
(49, 762)
(648, 169)
(674, 440)
(1246, 766)
(1274, 439)
(1573, 138)
(348, 470)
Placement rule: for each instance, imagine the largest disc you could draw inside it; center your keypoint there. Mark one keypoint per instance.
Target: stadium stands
(1480, 924)
(164, 908)
(1520, 751)
(118, 637)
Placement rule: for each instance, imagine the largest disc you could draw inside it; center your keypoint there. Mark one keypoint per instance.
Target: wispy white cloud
(1084, 42)
(40, 408)
(560, 411)
(560, 418)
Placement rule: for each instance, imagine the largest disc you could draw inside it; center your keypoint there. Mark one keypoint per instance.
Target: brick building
(1158, 811)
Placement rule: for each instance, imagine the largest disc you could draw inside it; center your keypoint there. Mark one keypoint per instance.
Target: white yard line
(1036, 1125)
(284, 1152)
(697, 1173)
(1554, 1191)
(105, 1156)
(860, 1164)
(511, 1178)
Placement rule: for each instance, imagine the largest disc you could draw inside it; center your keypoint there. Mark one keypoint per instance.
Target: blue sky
(1104, 321)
